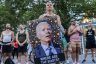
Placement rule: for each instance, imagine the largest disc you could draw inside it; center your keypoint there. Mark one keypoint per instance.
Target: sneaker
(74, 63)
(83, 61)
(93, 61)
(77, 63)
(19, 63)
(27, 62)
(2, 63)
(67, 61)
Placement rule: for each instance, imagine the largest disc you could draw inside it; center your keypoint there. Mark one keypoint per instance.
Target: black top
(21, 37)
(90, 35)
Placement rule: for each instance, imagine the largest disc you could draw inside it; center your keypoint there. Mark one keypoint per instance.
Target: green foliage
(21, 11)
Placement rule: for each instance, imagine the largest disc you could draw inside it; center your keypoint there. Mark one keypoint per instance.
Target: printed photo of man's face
(44, 32)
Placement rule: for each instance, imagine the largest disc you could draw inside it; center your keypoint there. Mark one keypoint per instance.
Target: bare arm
(1, 37)
(84, 32)
(58, 20)
(59, 23)
(12, 37)
(27, 37)
(79, 29)
(17, 38)
(70, 32)
(94, 31)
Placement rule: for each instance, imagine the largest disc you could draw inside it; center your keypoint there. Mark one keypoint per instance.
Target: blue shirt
(47, 49)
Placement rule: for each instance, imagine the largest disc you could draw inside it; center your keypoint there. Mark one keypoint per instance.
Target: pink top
(76, 36)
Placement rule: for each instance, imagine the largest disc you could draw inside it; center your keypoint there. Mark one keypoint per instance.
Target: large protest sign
(41, 56)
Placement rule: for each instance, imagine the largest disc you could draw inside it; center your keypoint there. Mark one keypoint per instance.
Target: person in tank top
(7, 37)
(21, 38)
(90, 41)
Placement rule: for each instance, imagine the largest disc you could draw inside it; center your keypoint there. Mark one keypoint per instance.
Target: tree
(21, 11)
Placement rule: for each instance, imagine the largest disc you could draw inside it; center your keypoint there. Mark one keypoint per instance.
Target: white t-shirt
(7, 37)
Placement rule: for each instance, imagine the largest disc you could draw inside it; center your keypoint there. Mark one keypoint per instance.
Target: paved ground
(88, 61)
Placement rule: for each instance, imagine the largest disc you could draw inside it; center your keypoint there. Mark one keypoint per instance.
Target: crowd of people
(16, 44)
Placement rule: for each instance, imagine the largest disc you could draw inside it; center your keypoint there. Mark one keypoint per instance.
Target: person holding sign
(46, 47)
(49, 13)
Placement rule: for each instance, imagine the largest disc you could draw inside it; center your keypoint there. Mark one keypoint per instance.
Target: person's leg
(0, 57)
(93, 50)
(66, 55)
(10, 49)
(77, 51)
(88, 46)
(73, 53)
(86, 53)
(19, 57)
(26, 57)
(3, 57)
(69, 50)
(19, 54)
(7, 52)
(13, 53)
(16, 52)
(26, 54)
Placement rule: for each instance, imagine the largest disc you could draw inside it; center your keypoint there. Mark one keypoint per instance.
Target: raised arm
(59, 23)
(70, 31)
(58, 20)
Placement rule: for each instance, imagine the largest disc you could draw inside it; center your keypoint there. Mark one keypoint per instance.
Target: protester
(7, 37)
(74, 33)
(15, 48)
(49, 13)
(44, 33)
(66, 40)
(46, 43)
(90, 41)
(21, 38)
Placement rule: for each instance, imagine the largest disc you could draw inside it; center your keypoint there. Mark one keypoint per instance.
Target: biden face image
(44, 32)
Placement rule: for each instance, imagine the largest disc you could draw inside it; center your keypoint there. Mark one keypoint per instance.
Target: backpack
(9, 61)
